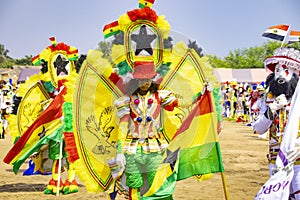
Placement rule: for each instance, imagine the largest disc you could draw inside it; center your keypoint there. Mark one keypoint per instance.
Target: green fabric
(139, 164)
(119, 147)
(55, 136)
(49, 86)
(123, 67)
(67, 110)
(164, 68)
(166, 190)
(202, 159)
(54, 150)
(217, 97)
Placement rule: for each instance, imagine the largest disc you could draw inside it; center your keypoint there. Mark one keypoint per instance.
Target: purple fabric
(283, 158)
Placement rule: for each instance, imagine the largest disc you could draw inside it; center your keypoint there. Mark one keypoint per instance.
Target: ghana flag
(194, 150)
(111, 29)
(48, 126)
(146, 3)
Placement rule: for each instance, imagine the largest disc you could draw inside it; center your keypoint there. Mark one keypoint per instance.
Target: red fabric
(171, 106)
(111, 25)
(143, 70)
(53, 112)
(71, 148)
(142, 14)
(204, 106)
(117, 80)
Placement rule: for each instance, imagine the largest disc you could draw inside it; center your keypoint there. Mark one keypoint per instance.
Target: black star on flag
(143, 41)
(60, 65)
(43, 133)
(171, 158)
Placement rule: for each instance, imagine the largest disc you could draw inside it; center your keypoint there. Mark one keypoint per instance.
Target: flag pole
(285, 37)
(59, 167)
(224, 186)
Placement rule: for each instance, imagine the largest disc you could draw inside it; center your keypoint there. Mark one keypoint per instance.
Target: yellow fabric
(71, 172)
(190, 72)
(31, 106)
(94, 125)
(117, 54)
(134, 195)
(196, 137)
(122, 130)
(34, 138)
(162, 172)
(54, 172)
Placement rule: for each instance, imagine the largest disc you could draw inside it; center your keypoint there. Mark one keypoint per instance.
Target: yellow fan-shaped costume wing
(94, 123)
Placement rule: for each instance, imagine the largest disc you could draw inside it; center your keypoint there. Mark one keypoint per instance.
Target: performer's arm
(123, 108)
(122, 133)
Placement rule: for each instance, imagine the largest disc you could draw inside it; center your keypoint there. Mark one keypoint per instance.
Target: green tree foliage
(24, 61)
(5, 60)
(252, 57)
(105, 47)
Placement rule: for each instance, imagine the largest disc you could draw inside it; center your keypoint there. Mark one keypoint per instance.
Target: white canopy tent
(253, 75)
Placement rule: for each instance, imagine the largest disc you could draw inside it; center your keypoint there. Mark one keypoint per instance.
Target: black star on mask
(60, 65)
(143, 41)
(171, 158)
(43, 133)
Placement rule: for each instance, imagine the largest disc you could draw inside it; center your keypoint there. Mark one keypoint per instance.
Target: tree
(105, 48)
(24, 61)
(5, 60)
(252, 57)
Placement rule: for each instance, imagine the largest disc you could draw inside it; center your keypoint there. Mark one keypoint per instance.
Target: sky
(218, 26)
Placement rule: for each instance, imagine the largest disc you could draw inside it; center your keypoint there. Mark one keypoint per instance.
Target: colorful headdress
(143, 35)
(287, 56)
(59, 59)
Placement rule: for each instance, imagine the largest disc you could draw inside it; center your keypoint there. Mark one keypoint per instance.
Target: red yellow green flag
(48, 126)
(146, 3)
(111, 29)
(194, 150)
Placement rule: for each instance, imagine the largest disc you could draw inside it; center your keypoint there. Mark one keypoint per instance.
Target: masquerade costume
(281, 84)
(44, 117)
(126, 105)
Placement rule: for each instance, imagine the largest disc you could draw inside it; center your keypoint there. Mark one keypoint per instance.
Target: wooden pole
(59, 167)
(224, 186)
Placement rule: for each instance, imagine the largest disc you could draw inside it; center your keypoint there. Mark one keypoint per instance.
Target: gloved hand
(207, 86)
(294, 154)
(279, 103)
(121, 160)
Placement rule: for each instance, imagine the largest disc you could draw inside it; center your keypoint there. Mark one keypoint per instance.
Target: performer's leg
(54, 154)
(52, 185)
(134, 194)
(151, 166)
(70, 185)
(134, 178)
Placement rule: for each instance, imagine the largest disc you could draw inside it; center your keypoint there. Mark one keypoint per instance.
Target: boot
(70, 187)
(52, 187)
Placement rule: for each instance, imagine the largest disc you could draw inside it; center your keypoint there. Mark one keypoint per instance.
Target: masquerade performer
(140, 138)
(123, 128)
(255, 105)
(44, 118)
(281, 84)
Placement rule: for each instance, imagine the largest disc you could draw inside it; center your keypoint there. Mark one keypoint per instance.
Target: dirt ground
(244, 159)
